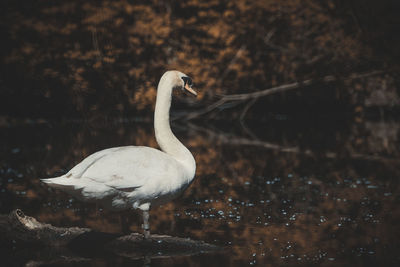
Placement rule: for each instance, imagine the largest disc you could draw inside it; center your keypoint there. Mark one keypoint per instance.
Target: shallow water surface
(281, 192)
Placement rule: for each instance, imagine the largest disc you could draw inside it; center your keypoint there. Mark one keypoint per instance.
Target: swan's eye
(187, 80)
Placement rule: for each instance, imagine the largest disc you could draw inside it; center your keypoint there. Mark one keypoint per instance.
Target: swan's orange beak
(190, 90)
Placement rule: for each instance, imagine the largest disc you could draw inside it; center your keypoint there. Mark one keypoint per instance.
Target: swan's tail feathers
(66, 185)
(61, 182)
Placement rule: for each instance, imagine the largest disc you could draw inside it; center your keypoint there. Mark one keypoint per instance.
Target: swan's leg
(145, 207)
(146, 225)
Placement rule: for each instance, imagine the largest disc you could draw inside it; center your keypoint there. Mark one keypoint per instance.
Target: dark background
(104, 58)
(307, 176)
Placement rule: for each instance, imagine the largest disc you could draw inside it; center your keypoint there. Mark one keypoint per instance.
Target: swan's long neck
(164, 135)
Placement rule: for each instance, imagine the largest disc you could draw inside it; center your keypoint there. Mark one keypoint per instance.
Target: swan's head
(180, 81)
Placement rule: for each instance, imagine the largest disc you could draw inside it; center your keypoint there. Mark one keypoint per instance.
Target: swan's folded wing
(130, 167)
(85, 164)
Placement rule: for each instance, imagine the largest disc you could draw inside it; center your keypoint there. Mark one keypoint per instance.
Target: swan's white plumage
(136, 176)
(133, 174)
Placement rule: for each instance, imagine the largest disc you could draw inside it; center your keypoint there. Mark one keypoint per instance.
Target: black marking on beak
(187, 80)
(188, 85)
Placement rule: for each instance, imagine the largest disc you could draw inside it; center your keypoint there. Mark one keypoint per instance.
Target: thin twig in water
(243, 115)
(207, 109)
(246, 108)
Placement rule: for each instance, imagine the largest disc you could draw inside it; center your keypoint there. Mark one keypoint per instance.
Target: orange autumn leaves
(108, 56)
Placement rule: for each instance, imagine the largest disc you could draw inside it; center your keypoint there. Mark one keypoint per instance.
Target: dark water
(282, 192)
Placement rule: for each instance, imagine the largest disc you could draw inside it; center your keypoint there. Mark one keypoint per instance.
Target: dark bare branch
(274, 90)
(235, 140)
(295, 85)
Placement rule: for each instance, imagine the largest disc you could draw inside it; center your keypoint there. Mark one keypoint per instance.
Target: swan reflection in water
(122, 178)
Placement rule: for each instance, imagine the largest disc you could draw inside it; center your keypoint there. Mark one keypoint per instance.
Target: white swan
(136, 176)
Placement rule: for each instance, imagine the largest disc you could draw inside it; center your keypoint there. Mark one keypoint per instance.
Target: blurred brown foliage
(105, 58)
